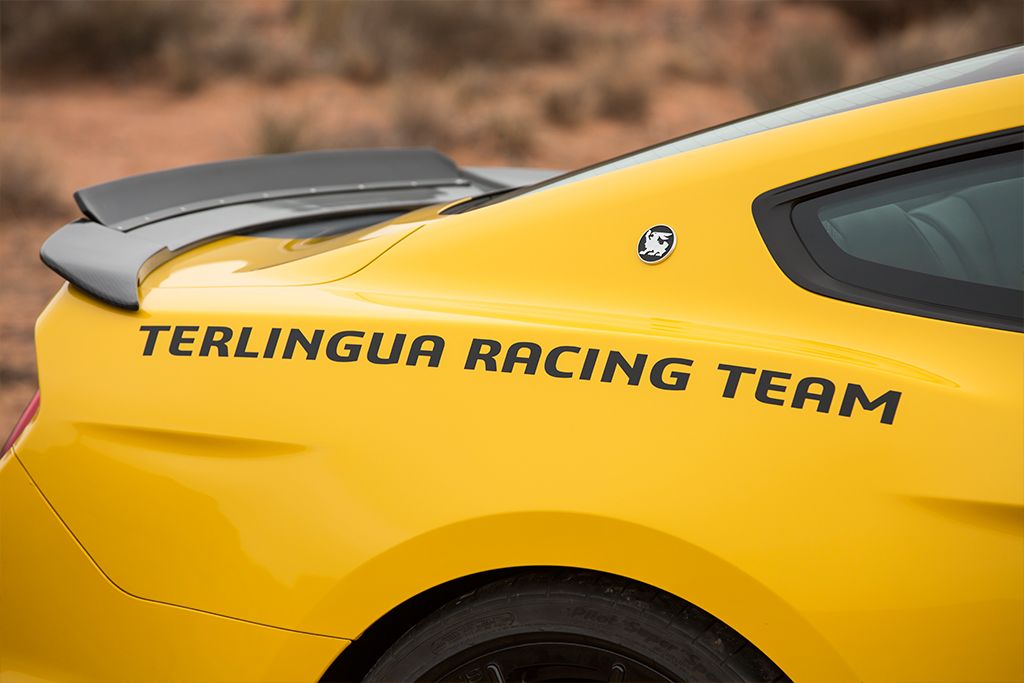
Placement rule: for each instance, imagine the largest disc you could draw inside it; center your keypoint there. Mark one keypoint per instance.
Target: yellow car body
(178, 509)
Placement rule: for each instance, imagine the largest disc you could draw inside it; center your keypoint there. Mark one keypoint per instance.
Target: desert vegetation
(574, 61)
(27, 185)
(91, 90)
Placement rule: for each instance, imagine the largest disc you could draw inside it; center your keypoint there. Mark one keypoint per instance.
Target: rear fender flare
(560, 539)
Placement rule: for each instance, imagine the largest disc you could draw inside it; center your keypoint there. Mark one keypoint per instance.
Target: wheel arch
(397, 588)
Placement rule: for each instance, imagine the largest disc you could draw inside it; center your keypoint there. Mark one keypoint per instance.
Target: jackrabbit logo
(656, 244)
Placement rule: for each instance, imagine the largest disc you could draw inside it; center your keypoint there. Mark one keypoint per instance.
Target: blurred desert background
(94, 90)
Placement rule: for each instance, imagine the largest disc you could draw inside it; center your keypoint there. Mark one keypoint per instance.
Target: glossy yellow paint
(316, 495)
(241, 261)
(64, 621)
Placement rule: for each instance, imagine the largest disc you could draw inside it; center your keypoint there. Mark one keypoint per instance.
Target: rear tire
(571, 626)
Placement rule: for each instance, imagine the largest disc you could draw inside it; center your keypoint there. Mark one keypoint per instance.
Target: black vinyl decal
(524, 358)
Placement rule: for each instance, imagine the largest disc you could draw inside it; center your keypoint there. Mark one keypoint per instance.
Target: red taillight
(30, 411)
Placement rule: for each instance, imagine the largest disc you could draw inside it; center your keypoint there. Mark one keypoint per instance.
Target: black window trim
(787, 237)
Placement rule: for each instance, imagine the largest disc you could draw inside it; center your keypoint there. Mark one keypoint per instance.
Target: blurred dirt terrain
(94, 90)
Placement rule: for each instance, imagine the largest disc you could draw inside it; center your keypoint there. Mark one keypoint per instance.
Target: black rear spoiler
(135, 224)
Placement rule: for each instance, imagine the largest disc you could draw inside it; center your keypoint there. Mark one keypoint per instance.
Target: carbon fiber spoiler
(133, 225)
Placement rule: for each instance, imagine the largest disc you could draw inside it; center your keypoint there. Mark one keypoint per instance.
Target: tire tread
(683, 621)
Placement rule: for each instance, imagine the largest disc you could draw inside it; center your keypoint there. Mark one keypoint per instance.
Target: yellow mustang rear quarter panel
(316, 494)
(64, 621)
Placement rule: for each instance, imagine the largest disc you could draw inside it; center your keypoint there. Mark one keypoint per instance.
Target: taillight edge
(26, 417)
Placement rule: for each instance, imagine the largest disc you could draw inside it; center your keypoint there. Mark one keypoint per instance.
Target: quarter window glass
(936, 232)
(962, 222)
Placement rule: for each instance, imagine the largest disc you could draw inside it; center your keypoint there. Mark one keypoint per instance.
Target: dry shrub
(280, 65)
(370, 41)
(700, 43)
(509, 133)
(888, 16)
(690, 62)
(184, 42)
(946, 37)
(89, 36)
(280, 133)
(565, 106)
(27, 187)
(622, 94)
(185, 75)
(360, 136)
(476, 84)
(423, 116)
(808, 49)
(420, 117)
(806, 64)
